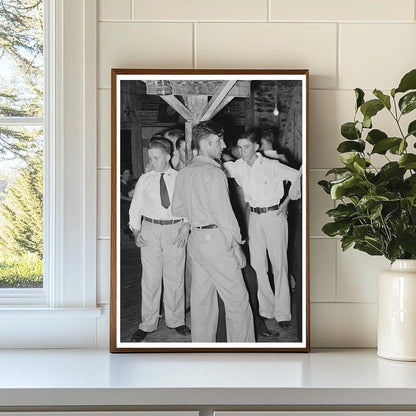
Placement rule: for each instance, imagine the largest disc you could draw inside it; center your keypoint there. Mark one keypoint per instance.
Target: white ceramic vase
(397, 312)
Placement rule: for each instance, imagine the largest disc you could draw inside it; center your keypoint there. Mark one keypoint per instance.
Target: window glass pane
(21, 210)
(21, 58)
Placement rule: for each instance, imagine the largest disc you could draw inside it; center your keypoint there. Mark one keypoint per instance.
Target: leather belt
(206, 227)
(263, 210)
(161, 222)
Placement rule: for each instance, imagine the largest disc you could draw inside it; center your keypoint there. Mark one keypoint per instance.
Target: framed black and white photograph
(209, 211)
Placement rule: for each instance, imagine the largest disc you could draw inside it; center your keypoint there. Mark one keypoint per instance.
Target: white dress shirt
(262, 183)
(146, 200)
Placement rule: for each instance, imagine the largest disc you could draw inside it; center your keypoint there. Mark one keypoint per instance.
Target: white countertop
(96, 377)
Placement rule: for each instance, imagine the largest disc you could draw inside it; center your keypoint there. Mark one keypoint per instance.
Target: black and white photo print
(209, 243)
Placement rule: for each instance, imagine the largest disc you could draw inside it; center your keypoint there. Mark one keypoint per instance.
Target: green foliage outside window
(21, 147)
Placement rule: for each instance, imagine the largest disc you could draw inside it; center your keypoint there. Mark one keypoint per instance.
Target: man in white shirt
(162, 238)
(262, 182)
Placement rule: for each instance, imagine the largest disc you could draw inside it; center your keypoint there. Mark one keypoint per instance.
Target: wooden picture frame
(271, 105)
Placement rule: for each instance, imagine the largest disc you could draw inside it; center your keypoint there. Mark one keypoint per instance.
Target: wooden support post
(197, 104)
(188, 140)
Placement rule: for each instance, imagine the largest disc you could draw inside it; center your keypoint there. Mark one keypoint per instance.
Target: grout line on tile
(345, 303)
(104, 168)
(131, 9)
(308, 22)
(323, 237)
(269, 10)
(338, 63)
(194, 62)
(414, 9)
(103, 238)
(335, 248)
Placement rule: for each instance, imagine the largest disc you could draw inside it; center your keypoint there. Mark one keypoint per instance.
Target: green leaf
(408, 102)
(325, 186)
(342, 211)
(369, 201)
(407, 240)
(359, 95)
(371, 108)
(359, 165)
(402, 147)
(391, 170)
(393, 250)
(350, 146)
(349, 131)
(375, 135)
(367, 122)
(398, 149)
(346, 242)
(385, 99)
(375, 211)
(383, 145)
(411, 130)
(368, 248)
(348, 158)
(361, 231)
(336, 228)
(408, 161)
(348, 187)
(408, 82)
(338, 171)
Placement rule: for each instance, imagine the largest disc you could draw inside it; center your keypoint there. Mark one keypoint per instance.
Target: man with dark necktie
(162, 238)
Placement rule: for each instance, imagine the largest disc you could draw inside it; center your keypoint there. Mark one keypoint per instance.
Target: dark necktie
(164, 195)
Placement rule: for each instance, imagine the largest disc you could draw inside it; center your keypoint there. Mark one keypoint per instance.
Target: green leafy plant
(376, 210)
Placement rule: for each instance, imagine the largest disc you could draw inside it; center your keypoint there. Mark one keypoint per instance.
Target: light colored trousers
(268, 233)
(214, 269)
(162, 261)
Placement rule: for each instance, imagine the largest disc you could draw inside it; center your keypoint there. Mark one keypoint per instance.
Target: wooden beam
(223, 103)
(216, 100)
(180, 108)
(196, 103)
(208, 87)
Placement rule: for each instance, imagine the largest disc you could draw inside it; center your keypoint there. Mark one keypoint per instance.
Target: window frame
(70, 169)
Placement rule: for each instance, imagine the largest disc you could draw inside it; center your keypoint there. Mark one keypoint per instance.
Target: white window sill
(39, 311)
(40, 327)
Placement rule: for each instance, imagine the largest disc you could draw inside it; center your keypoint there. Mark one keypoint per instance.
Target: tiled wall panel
(344, 44)
(200, 10)
(270, 46)
(114, 10)
(376, 55)
(323, 269)
(351, 325)
(142, 45)
(341, 10)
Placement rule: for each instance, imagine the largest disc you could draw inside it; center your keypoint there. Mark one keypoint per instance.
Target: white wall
(345, 44)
